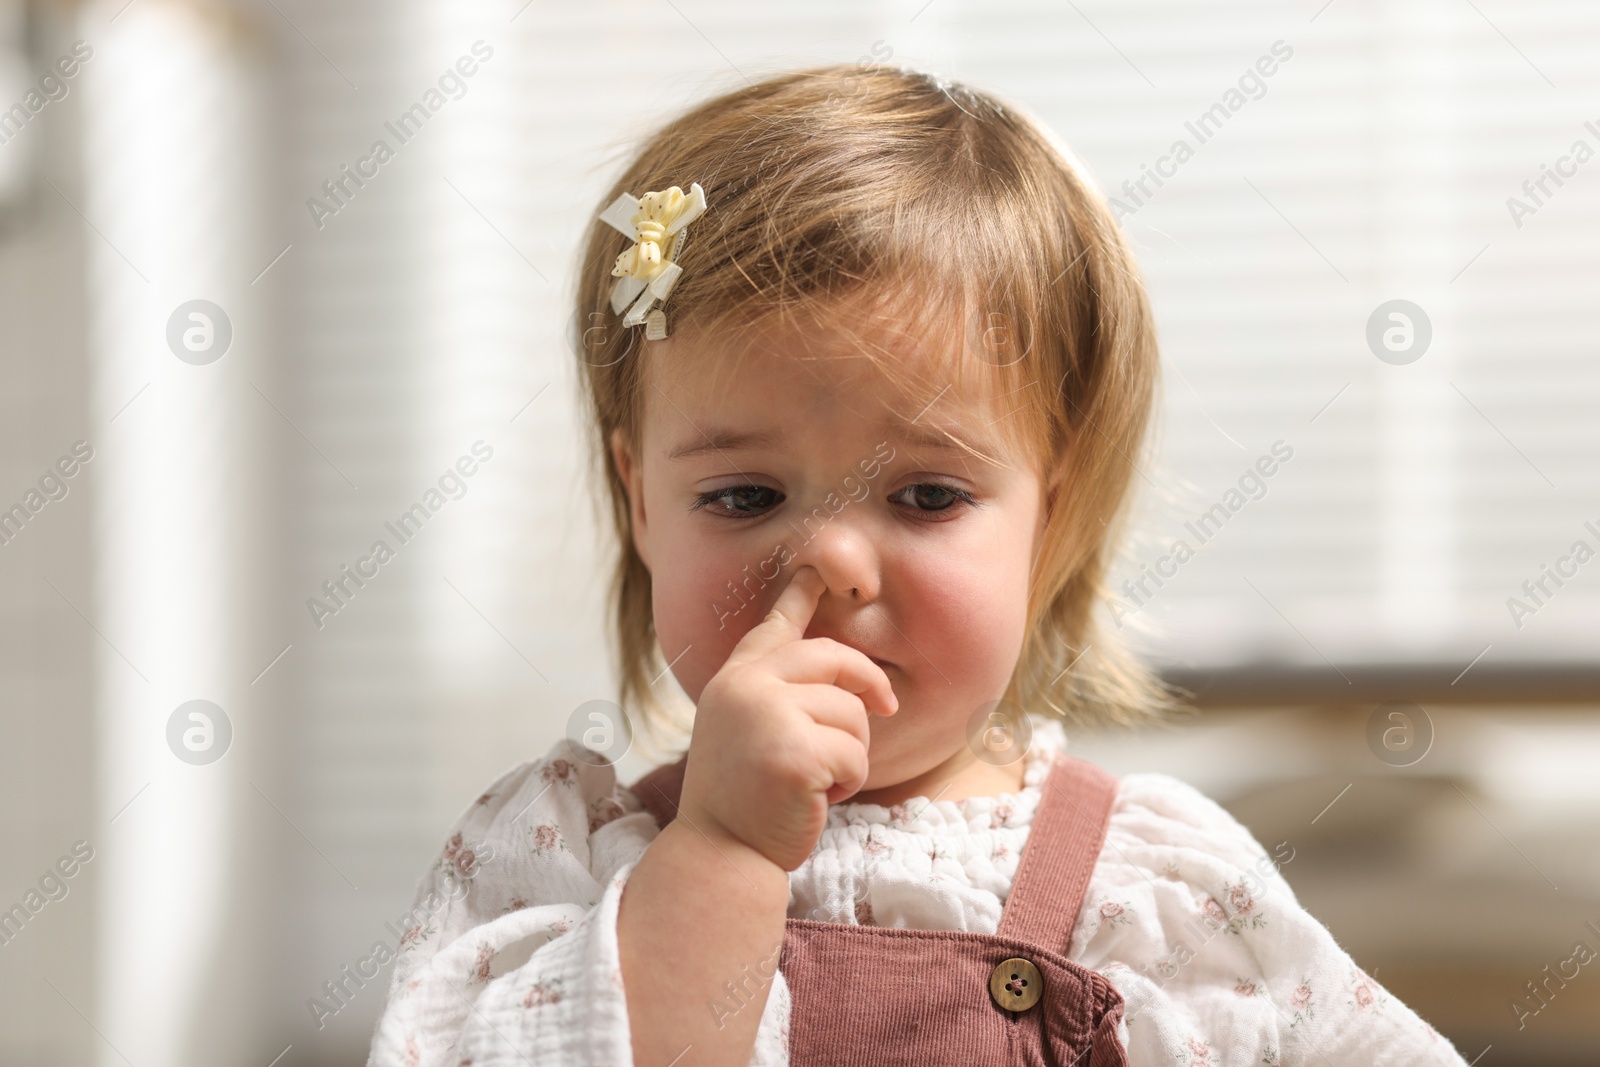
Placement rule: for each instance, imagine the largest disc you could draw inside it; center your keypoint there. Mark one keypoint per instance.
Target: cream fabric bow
(647, 271)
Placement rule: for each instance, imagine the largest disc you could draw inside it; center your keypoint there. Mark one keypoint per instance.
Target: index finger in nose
(789, 616)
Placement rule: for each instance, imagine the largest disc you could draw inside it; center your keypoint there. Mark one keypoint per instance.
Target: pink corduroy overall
(870, 996)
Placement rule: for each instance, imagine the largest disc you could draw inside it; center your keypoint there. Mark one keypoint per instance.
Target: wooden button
(1016, 985)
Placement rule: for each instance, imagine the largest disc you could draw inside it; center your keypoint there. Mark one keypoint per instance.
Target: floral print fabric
(516, 960)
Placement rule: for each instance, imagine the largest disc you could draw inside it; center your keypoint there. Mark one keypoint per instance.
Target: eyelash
(963, 498)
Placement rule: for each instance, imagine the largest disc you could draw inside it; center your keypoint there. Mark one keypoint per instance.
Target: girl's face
(800, 453)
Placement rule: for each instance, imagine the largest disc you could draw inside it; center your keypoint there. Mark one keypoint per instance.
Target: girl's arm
(507, 955)
(780, 733)
(699, 930)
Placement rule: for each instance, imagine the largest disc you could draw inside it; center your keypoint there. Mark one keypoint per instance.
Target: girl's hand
(781, 731)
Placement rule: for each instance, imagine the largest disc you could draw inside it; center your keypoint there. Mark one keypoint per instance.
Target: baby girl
(869, 399)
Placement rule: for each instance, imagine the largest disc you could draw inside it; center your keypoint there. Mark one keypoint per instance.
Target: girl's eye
(741, 500)
(749, 501)
(932, 498)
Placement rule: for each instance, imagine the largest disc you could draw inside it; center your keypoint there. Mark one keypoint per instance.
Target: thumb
(788, 618)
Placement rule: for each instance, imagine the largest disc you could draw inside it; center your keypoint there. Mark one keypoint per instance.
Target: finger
(786, 622)
(846, 761)
(829, 662)
(830, 706)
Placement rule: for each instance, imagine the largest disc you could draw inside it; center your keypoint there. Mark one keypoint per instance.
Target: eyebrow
(723, 440)
(718, 440)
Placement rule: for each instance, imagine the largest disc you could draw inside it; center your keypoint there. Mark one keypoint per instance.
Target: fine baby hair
(963, 223)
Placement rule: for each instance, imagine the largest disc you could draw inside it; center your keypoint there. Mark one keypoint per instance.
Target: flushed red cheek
(696, 609)
(965, 619)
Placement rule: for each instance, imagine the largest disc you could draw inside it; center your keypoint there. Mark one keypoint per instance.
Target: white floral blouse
(510, 956)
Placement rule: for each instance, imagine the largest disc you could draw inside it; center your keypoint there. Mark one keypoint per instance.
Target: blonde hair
(931, 200)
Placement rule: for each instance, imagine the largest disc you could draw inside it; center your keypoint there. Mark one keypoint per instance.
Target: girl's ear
(632, 484)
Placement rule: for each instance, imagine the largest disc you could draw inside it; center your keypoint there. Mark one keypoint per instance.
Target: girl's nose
(846, 557)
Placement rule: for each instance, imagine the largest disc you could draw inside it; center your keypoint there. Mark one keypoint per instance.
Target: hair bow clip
(657, 224)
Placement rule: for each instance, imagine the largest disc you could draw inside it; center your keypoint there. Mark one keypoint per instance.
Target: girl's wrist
(707, 839)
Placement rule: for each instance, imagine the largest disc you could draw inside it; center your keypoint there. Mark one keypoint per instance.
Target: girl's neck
(958, 778)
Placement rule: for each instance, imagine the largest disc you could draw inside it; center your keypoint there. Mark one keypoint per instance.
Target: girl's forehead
(876, 344)
(916, 385)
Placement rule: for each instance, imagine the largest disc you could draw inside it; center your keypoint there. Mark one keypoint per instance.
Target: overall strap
(1063, 845)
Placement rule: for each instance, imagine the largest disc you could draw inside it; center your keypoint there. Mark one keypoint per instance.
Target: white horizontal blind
(1374, 162)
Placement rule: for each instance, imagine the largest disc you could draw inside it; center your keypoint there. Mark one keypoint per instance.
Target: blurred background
(241, 342)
